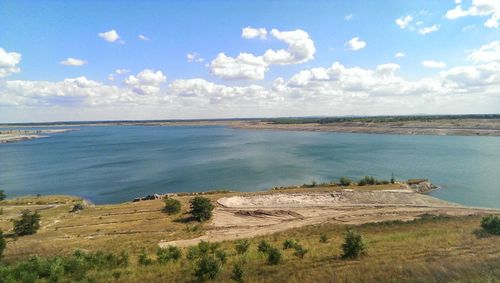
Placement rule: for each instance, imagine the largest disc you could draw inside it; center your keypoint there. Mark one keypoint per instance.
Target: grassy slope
(430, 250)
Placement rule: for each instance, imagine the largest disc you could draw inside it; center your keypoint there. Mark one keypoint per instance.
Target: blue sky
(39, 87)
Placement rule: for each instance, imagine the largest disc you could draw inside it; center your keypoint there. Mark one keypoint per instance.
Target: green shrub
(242, 246)
(144, 259)
(353, 246)
(167, 254)
(28, 224)
(263, 246)
(207, 268)
(2, 244)
(201, 208)
(221, 255)
(299, 251)
(238, 272)
(2, 195)
(344, 181)
(172, 206)
(202, 249)
(273, 256)
(289, 243)
(491, 224)
(323, 238)
(367, 180)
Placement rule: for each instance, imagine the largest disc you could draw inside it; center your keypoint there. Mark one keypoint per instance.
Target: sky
(134, 60)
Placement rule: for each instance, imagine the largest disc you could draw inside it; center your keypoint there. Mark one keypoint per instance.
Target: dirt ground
(249, 216)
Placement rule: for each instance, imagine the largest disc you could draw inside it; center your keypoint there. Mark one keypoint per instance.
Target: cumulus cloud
(110, 36)
(244, 67)
(73, 62)
(404, 22)
(482, 8)
(399, 55)
(8, 62)
(433, 64)
(146, 82)
(143, 37)
(355, 44)
(247, 66)
(194, 57)
(250, 33)
(348, 17)
(429, 29)
(486, 53)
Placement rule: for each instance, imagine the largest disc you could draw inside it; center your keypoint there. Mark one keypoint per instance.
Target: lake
(118, 163)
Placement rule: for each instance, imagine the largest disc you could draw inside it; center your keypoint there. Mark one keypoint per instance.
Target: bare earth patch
(254, 215)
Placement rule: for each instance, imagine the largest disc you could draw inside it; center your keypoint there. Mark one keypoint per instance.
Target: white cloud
(73, 62)
(194, 57)
(250, 32)
(116, 73)
(433, 64)
(300, 48)
(404, 22)
(143, 37)
(348, 17)
(146, 82)
(490, 8)
(247, 66)
(468, 27)
(429, 29)
(355, 44)
(486, 53)
(244, 67)
(399, 55)
(109, 36)
(8, 62)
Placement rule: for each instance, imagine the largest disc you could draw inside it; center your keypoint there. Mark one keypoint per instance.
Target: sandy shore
(254, 215)
(8, 136)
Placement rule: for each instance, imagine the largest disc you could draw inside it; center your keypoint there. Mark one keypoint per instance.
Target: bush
(344, 181)
(238, 272)
(28, 224)
(2, 195)
(201, 208)
(354, 245)
(170, 253)
(299, 251)
(207, 268)
(172, 206)
(263, 246)
(221, 255)
(2, 244)
(144, 259)
(289, 243)
(77, 207)
(323, 238)
(491, 224)
(273, 256)
(367, 180)
(242, 246)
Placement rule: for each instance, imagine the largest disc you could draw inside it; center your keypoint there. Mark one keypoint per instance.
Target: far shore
(467, 126)
(8, 136)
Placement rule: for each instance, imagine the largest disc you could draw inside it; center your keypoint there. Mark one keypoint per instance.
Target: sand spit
(249, 216)
(8, 136)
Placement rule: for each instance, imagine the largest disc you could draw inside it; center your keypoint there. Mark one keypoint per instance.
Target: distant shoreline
(9, 136)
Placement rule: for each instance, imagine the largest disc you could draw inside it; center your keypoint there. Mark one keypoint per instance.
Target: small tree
(299, 251)
(344, 181)
(2, 195)
(289, 243)
(354, 245)
(238, 272)
(201, 208)
(167, 254)
(263, 246)
(242, 246)
(172, 206)
(28, 224)
(491, 224)
(2, 244)
(144, 259)
(273, 256)
(207, 268)
(393, 180)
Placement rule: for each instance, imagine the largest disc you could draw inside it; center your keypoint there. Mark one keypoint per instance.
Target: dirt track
(250, 216)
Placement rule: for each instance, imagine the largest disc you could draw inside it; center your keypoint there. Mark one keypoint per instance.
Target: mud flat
(246, 216)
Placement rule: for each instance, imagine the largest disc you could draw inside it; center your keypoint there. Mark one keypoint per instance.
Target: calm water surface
(114, 164)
